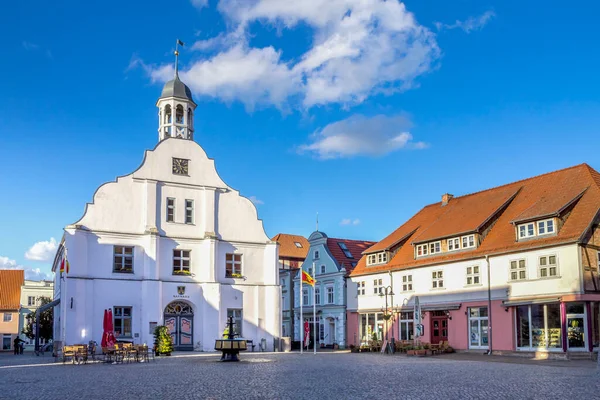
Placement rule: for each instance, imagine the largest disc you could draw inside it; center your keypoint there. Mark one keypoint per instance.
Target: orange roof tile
(11, 281)
(288, 247)
(559, 188)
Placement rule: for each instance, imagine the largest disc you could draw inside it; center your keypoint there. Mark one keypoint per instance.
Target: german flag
(306, 278)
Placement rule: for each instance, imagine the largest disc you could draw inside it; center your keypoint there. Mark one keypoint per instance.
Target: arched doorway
(179, 318)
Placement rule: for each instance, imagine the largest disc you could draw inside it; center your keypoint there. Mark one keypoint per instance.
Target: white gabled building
(169, 243)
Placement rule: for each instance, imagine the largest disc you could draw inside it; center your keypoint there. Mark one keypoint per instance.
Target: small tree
(163, 342)
(46, 321)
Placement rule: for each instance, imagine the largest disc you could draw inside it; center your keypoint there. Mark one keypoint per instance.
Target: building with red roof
(329, 261)
(11, 281)
(512, 268)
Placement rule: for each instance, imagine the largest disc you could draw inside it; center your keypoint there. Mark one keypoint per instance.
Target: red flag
(306, 278)
(62, 265)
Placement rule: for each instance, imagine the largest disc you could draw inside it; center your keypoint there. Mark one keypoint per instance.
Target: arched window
(168, 114)
(179, 114)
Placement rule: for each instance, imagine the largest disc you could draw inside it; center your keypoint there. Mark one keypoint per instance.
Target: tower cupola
(176, 107)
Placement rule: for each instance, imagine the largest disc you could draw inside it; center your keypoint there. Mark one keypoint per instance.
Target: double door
(181, 330)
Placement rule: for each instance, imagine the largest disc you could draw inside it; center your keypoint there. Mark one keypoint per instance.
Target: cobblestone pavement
(295, 376)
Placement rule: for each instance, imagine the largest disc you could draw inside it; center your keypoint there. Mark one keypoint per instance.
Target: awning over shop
(440, 307)
(532, 300)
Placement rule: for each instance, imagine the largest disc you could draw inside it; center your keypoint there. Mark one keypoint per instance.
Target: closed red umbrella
(110, 340)
(104, 343)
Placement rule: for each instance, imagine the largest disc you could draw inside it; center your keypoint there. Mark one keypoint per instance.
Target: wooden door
(439, 327)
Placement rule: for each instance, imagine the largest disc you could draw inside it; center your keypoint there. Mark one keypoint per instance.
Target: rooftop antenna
(317, 221)
(177, 44)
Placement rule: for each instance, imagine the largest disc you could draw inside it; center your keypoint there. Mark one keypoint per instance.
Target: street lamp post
(387, 291)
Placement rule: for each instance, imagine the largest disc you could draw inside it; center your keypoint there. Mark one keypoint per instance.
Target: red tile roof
(355, 247)
(11, 281)
(288, 247)
(534, 196)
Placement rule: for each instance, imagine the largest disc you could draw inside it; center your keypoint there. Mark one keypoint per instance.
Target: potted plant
(410, 351)
(420, 351)
(163, 342)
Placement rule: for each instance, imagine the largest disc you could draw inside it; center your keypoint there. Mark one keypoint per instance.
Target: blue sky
(362, 113)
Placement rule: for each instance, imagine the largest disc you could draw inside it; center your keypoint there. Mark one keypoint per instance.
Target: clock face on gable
(180, 166)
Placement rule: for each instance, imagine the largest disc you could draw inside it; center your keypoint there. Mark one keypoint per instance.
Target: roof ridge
(595, 175)
(353, 240)
(519, 181)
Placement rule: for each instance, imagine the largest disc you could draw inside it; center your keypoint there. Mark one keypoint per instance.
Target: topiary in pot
(163, 342)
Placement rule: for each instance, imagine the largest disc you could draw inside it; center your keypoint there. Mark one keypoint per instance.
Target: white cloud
(35, 274)
(29, 46)
(349, 221)
(360, 135)
(200, 3)
(256, 201)
(42, 251)
(470, 24)
(359, 47)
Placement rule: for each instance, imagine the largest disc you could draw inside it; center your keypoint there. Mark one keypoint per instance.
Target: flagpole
(301, 314)
(315, 308)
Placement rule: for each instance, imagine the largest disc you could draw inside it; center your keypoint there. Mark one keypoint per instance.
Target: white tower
(176, 108)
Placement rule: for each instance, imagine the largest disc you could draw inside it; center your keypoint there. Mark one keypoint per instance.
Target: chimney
(446, 198)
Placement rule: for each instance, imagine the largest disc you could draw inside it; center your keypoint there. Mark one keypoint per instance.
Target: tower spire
(177, 44)
(317, 221)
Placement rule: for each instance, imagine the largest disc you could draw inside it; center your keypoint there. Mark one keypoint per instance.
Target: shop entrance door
(576, 326)
(439, 327)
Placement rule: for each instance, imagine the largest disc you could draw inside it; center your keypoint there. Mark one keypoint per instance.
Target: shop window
(122, 322)
(576, 324)
(371, 323)
(6, 341)
(406, 326)
(538, 327)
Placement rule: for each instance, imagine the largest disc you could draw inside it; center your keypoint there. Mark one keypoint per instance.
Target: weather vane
(177, 44)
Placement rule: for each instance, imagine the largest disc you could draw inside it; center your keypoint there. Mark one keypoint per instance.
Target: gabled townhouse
(329, 261)
(509, 269)
(292, 252)
(31, 292)
(10, 293)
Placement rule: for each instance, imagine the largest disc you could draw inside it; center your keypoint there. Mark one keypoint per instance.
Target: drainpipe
(487, 260)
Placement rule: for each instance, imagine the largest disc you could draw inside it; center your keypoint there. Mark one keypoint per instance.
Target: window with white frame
(473, 277)
(233, 265)
(330, 298)
(518, 270)
(189, 211)
(372, 259)
(407, 285)
(317, 296)
(421, 250)
(181, 262)
(547, 266)
(298, 245)
(305, 297)
(170, 209)
(406, 325)
(526, 230)
(435, 247)
(468, 241)
(360, 288)
(382, 257)
(122, 321)
(322, 269)
(237, 315)
(7, 317)
(545, 227)
(31, 300)
(453, 244)
(437, 279)
(123, 259)
(316, 254)
(377, 286)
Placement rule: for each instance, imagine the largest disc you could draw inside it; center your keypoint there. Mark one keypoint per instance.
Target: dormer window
(453, 244)
(378, 258)
(421, 250)
(468, 241)
(435, 247)
(539, 228)
(545, 227)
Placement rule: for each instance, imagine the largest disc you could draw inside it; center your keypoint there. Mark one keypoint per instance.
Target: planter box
(410, 352)
(421, 353)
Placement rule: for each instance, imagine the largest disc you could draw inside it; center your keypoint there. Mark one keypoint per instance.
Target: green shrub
(163, 342)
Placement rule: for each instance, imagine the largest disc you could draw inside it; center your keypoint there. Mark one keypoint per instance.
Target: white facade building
(172, 244)
(31, 291)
